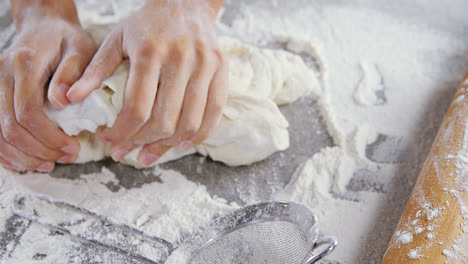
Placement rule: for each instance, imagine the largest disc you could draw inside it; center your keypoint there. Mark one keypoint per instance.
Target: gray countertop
(307, 131)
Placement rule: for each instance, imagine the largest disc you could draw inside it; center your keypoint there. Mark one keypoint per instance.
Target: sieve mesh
(272, 242)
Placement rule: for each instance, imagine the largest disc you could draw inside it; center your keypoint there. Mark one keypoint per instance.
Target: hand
(49, 45)
(177, 84)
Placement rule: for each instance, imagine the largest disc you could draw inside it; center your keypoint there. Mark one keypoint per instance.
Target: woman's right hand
(49, 45)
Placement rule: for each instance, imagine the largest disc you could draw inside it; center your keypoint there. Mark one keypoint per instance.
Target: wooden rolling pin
(430, 230)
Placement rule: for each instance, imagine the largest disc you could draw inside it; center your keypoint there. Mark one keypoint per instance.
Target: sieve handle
(330, 241)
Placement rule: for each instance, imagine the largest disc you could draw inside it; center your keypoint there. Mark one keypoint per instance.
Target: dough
(251, 128)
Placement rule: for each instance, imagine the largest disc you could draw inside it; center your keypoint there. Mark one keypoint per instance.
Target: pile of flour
(170, 208)
(386, 82)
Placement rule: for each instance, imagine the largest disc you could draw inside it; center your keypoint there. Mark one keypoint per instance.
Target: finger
(217, 97)
(6, 164)
(76, 54)
(119, 151)
(169, 100)
(13, 133)
(30, 76)
(152, 152)
(194, 105)
(140, 95)
(103, 64)
(20, 161)
(68, 72)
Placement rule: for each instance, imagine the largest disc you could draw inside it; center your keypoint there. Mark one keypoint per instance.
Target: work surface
(403, 153)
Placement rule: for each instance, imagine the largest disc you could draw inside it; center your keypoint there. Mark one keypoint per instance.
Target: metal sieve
(267, 232)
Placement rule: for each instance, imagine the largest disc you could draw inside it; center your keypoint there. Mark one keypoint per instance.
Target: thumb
(69, 70)
(103, 64)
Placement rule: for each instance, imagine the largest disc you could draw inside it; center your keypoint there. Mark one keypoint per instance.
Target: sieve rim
(294, 213)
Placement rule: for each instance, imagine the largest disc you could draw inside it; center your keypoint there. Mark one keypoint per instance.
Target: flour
(414, 254)
(375, 85)
(381, 76)
(177, 207)
(164, 215)
(404, 237)
(419, 230)
(448, 253)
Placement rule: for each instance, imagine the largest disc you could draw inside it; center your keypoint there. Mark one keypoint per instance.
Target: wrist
(33, 11)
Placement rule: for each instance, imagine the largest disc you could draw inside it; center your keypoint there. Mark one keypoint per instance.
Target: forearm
(24, 10)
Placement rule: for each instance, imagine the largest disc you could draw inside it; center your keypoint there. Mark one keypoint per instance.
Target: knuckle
(220, 57)
(189, 130)
(182, 52)
(155, 148)
(201, 47)
(48, 155)
(85, 44)
(138, 114)
(74, 64)
(23, 57)
(167, 129)
(202, 136)
(24, 113)
(150, 51)
(151, 47)
(31, 163)
(11, 133)
(204, 58)
(217, 105)
(147, 49)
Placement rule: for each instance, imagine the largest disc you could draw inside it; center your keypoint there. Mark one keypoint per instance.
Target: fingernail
(148, 159)
(70, 149)
(57, 103)
(17, 168)
(62, 89)
(45, 167)
(100, 134)
(70, 94)
(119, 155)
(186, 145)
(66, 159)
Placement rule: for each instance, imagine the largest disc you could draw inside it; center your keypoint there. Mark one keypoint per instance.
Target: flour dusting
(382, 73)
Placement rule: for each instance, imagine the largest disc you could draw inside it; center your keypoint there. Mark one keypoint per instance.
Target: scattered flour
(381, 80)
(414, 254)
(418, 230)
(404, 237)
(177, 207)
(448, 253)
(367, 95)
